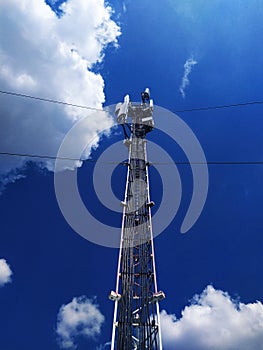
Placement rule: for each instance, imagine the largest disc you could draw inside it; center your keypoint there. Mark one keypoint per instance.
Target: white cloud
(43, 55)
(5, 272)
(124, 7)
(187, 70)
(214, 321)
(104, 346)
(80, 317)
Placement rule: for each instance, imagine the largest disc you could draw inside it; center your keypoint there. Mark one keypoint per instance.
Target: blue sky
(83, 59)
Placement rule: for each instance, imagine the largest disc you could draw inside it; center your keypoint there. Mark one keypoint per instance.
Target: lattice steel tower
(136, 320)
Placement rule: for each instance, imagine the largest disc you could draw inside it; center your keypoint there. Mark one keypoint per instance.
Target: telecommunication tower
(136, 319)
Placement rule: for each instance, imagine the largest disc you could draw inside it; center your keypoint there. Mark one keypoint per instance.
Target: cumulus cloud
(80, 317)
(187, 70)
(5, 272)
(52, 57)
(214, 321)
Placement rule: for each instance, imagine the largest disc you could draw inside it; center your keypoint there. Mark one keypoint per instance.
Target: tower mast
(136, 320)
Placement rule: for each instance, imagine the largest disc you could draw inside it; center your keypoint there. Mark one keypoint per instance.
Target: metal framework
(136, 320)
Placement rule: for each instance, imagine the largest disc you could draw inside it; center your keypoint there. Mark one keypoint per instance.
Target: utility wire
(220, 106)
(207, 108)
(125, 163)
(49, 100)
(43, 156)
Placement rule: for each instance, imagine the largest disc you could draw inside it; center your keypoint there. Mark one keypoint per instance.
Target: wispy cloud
(125, 4)
(80, 317)
(104, 346)
(187, 70)
(124, 7)
(5, 272)
(214, 321)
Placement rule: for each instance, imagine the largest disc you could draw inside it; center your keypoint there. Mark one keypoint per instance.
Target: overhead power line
(48, 100)
(220, 106)
(41, 156)
(195, 109)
